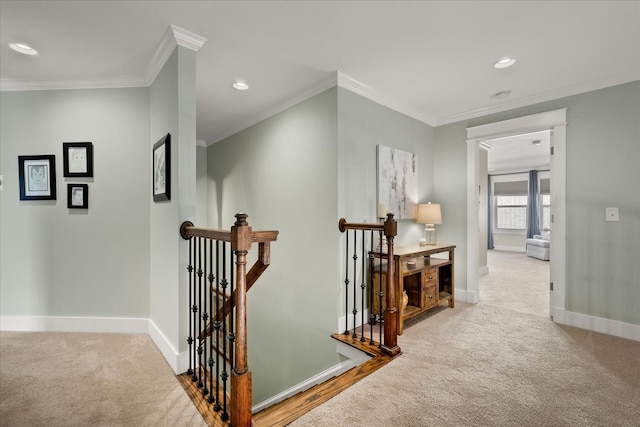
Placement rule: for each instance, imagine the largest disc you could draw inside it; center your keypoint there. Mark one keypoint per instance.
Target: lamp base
(430, 234)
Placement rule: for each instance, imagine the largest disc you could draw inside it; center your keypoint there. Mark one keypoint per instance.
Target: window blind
(510, 188)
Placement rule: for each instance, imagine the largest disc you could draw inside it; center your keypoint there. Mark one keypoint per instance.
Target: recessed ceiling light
(536, 142)
(502, 94)
(240, 86)
(504, 63)
(23, 48)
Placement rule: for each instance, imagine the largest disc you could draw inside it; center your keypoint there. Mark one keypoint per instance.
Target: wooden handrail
(188, 230)
(390, 229)
(241, 237)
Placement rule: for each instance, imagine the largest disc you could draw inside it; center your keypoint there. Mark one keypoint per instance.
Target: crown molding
(576, 89)
(319, 87)
(8, 85)
(173, 37)
(365, 91)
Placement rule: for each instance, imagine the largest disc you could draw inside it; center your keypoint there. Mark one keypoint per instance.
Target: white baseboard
(74, 324)
(355, 358)
(483, 270)
(597, 324)
(342, 321)
(179, 362)
(465, 296)
(510, 248)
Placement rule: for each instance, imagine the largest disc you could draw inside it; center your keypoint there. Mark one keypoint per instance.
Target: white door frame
(556, 122)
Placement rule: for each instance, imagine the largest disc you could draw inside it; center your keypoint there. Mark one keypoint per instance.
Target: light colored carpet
(517, 282)
(491, 364)
(74, 379)
(481, 365)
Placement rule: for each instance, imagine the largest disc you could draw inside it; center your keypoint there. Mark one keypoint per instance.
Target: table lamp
(429, 214)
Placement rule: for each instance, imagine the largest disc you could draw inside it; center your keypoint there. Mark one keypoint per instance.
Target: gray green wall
(362, 125)
(298, 172)
(603, 154)
(172, 106)
(56, 261)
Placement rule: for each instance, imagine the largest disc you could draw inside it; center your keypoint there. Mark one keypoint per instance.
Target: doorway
(514, 204)
(555, 122)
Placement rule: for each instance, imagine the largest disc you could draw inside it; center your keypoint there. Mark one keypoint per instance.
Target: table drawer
(430, 278)
(430, 296)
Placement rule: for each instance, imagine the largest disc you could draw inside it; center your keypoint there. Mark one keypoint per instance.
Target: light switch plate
(612, 214)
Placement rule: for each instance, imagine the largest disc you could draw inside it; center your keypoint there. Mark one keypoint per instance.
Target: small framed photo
(37, 177)
(161, 179)
(78, 196)
(78, 159)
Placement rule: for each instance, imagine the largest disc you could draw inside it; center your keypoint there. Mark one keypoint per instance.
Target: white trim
(9, 85)
(483, 271)
(597, 324)
(178, 361)
(341, 321)
(319, 87)
(473, 222)
(74, 324)
(464, 295)
(518, 126)
(355, 358)
(172, 38)
(622, 78)
(555, 121)
(365, 91)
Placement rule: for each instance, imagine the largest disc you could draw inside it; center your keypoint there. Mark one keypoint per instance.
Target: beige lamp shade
(429, 214)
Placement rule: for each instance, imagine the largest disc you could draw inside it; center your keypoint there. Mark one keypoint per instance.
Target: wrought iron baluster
(380, 292)
(200, 385)
(346, 287)
(372, 315)
(232, 311)
(216, 326)
(355, 280)
(191, 335)
(211, 278)
(362, 287)
(205, 317)
(225, 373)
(194, 313)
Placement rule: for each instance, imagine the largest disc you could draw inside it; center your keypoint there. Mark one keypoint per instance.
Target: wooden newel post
(390, 345)
(240, 376)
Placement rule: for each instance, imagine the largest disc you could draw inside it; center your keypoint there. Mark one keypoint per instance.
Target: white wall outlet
(612, 214)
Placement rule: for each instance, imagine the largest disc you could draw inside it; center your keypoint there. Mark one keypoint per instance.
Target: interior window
(511, 212)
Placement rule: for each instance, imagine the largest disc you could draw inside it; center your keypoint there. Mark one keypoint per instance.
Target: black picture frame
(37, 177)
(161, 171)
(78, 196)
(78, 159)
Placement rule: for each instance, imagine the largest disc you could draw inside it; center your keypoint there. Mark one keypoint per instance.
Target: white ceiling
(432, 60)
(519, 153)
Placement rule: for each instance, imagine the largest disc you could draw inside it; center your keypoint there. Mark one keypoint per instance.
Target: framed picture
(398, 181)
(161, 179)
(37, 177)
(78, 159)
(78, 196)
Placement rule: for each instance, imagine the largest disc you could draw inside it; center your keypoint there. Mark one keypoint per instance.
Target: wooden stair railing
(389, 229)
(218, 318)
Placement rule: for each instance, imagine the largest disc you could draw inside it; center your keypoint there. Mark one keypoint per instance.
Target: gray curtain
(533, 210)
(489, 215)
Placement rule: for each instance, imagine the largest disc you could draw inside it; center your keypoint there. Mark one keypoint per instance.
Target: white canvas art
(397, 182)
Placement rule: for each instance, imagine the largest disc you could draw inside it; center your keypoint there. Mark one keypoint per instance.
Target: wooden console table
(428, 281)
